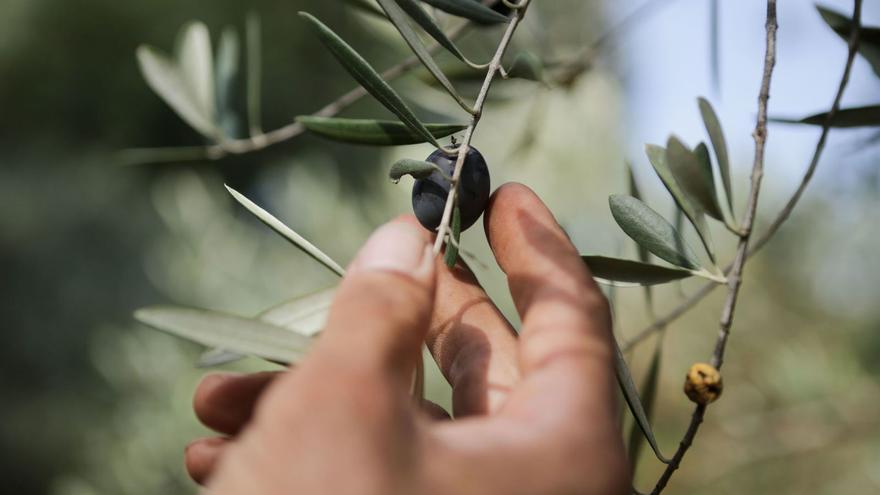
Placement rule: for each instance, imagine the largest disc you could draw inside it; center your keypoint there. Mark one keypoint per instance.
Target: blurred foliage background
(93, 403)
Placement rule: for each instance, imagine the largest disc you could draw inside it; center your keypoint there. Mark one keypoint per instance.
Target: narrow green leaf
(364, 74)
(232, 333)
(451, 255)
(305, 315)
(399, 18)
(694, 176)
(418, 14)
(367, 7)
(869, 36)
(632, 272)
(226, 75)
(469, 9)
(196, 62)
(624, 379)
(719, 145)
(644, 255)
(418, 169)
(253, 33)
(649, 229)
(373, 132)
(846, 117)
(526, 65)
(657, 157)
(288, 233)
(164, 77)
(649, 396)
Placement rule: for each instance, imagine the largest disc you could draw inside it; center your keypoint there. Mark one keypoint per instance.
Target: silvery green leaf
(364, 74)
(196, 61)
(868, 116)
(719, 144)
(649, 229)
(693, 176)
(869, 36)
(657, 157)
(417, 169)
(297, 240)
(624, 379)
(217, 357)
(418, 14)
(227, 69)
(166, 79)
(648, 396)
(451, 255)
(528, 66)
(373, 132)
(613, 270)
(399, 18)
(469, 9)
(634, 191)
(232, 333)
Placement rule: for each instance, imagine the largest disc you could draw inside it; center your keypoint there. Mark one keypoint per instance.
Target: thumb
(383, 307)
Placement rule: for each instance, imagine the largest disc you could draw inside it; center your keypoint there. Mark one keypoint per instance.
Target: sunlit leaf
(694, 176)
(719, 145)
(417, 169)
(624, 379)
(372, 132)
(231, 333)
(869, 36)
(632, 272)
(634, 191)
(451, 255)
(648, 396)
(288, 233)
(165, 78)
(364, 74)
(196, 62)
(649, 229)
(657, 157)
(469, 9)
(846, 117)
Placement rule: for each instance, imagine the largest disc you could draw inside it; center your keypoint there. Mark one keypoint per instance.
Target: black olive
(429, 194)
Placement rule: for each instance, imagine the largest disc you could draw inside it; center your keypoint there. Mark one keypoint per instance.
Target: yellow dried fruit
(703, 383)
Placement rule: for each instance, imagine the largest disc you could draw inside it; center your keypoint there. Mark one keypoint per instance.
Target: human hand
(534, 415)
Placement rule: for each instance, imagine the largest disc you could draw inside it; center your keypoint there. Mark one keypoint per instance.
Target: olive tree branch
(464, 147)
(785, 212)
(735, 275)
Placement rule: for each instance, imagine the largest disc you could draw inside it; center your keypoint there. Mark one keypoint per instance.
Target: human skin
(535, 413)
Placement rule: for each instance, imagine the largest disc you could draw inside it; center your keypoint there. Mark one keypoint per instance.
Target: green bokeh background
(92, 403)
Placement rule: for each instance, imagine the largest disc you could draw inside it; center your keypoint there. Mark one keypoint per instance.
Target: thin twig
(735, 276)
(784, 214)
(464, 147)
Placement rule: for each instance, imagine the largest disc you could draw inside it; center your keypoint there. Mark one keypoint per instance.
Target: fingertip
(201, 456)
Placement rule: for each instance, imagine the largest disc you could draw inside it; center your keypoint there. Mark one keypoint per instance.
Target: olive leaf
(367, 6)
(232, 333)
(719, 145)
(305, 315)
(253, 35)
(372, 132)
(418, 14)
(657, 157)
(868, 116)
(469, 9)
(694, 176)
(226, 74)
(297, 240)
(526, 65)
(399, 19)
(649, 229)
(624, 379)
(644, 255)
(451, 255)
(418, 169)
(196, 62)
(869, 36)
(648, 396)
(614, 270)
(364, 74)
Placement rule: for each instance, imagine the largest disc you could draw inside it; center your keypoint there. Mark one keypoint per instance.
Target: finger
(472, 342)
(382, 309)
(202, 455)
(225, 402)
(565, 343)
(434, 411)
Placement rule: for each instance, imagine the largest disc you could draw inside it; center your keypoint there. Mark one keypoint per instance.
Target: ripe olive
(429, 194)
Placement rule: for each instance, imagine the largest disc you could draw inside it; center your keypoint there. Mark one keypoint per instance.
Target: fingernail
(396, 246)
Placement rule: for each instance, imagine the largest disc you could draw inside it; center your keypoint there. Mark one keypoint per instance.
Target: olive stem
(464, 147)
